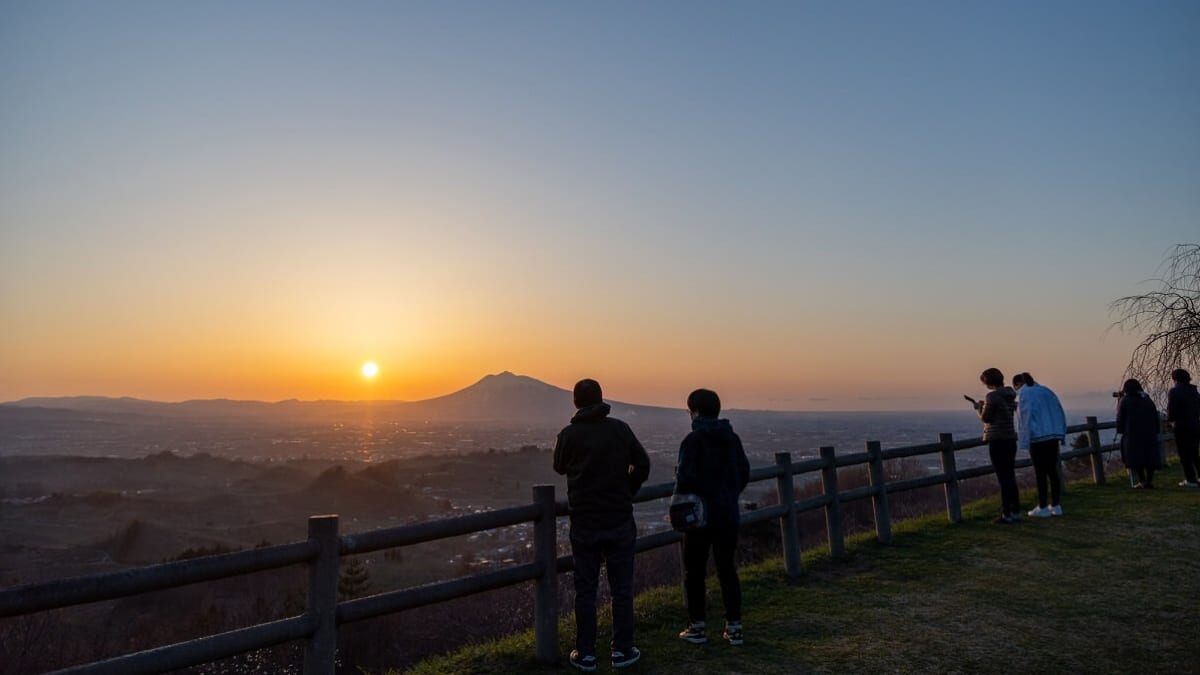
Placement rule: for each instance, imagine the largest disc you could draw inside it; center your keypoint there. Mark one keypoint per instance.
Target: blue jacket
(1040, 416)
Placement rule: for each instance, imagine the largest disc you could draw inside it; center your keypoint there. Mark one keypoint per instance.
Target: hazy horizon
(1088, 401)
(803, 206)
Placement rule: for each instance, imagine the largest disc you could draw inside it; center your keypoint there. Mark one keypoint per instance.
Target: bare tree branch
(1168, 318)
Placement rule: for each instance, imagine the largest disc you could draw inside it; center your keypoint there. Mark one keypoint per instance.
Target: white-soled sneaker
(581, 662)
(733, 633)
(694, 633)
(626, 659)
(1188, 483)
(1040, 512)
(1056, 510)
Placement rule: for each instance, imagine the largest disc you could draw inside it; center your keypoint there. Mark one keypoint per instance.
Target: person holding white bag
(712, 466)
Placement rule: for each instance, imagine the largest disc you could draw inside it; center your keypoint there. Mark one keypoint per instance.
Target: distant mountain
(503, 397)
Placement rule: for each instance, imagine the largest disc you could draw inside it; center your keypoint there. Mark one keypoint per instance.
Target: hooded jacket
(997, 415)
(1183, 407)
(1040, 416)
(605, 465)
(712, 464)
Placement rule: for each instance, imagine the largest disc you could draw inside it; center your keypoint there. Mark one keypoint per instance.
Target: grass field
(1111, 587)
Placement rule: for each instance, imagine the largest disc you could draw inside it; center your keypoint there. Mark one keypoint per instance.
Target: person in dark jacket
(1137, 422)
(712, 465)
(605, 465)
(996, 412)
(1183, 412)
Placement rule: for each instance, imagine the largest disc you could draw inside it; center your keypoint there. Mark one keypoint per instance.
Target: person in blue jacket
(712, 465)
(1041, 428)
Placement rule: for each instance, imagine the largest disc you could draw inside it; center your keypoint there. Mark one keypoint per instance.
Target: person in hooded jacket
(712, 465)
(605, 466)
(1041, 428)
(1138, 423)
(996, 412)
(1183, 412)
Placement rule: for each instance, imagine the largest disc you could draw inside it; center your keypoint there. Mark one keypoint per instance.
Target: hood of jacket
(592, 413)
(712, 425)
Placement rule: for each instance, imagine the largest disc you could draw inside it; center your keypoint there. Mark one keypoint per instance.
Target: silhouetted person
(712, 465)
(996, 411)
(605, 465)
(1041, 428)
(1137, 422)
(1183, 412)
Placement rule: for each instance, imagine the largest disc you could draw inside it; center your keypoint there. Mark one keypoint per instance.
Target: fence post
(545, 553)
(1093, 436)
(787, 524)
(833, 510)
(320, 652)
(950, 469)
(879, 500)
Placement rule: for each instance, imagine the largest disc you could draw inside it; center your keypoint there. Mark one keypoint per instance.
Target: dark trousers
(1045, 468)
(613, 547)
(1003, 454)
(1187, 442)
(1144, 475)
(723, 542)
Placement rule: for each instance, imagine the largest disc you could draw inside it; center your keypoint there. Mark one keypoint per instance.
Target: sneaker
(1002, 520)
(694, 633)
(1014, 518)
(1188, 483)
(585, 663)
(626, 659)
(1040, 512)
(733, 633)
(1056, 510)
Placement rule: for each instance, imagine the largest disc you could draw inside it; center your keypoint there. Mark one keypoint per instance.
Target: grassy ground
(1114, 586)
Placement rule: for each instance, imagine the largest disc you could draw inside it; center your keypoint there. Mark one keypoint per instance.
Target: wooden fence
(317, 626)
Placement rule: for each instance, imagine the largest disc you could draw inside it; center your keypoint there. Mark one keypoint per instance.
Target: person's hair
(992, 377)
(1023, 379)
(704, 402)
(1181, 375)
(587, 392)
(1132, 387)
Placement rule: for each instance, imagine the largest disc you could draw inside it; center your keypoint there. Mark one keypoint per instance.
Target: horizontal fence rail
(324, 548)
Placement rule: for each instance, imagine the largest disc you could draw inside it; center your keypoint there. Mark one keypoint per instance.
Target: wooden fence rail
(324, 547)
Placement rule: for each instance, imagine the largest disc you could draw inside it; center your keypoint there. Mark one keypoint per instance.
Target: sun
(370, 369)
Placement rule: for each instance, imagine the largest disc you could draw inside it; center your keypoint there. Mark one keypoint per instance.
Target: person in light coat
(1041, 428)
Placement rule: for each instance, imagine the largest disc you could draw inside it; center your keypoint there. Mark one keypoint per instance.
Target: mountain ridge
(503, 396)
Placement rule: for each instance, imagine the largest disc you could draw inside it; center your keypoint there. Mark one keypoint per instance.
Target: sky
(801, 205)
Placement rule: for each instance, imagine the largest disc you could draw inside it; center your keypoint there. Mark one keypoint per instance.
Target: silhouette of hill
(505, 397)
(336, 490)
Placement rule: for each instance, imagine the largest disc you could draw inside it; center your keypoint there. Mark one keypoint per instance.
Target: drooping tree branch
(1168, 319)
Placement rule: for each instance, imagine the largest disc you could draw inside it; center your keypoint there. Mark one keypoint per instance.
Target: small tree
(354, 580)
(1168, 318)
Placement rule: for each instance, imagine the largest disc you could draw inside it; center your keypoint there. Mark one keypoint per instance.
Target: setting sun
(370, 369)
